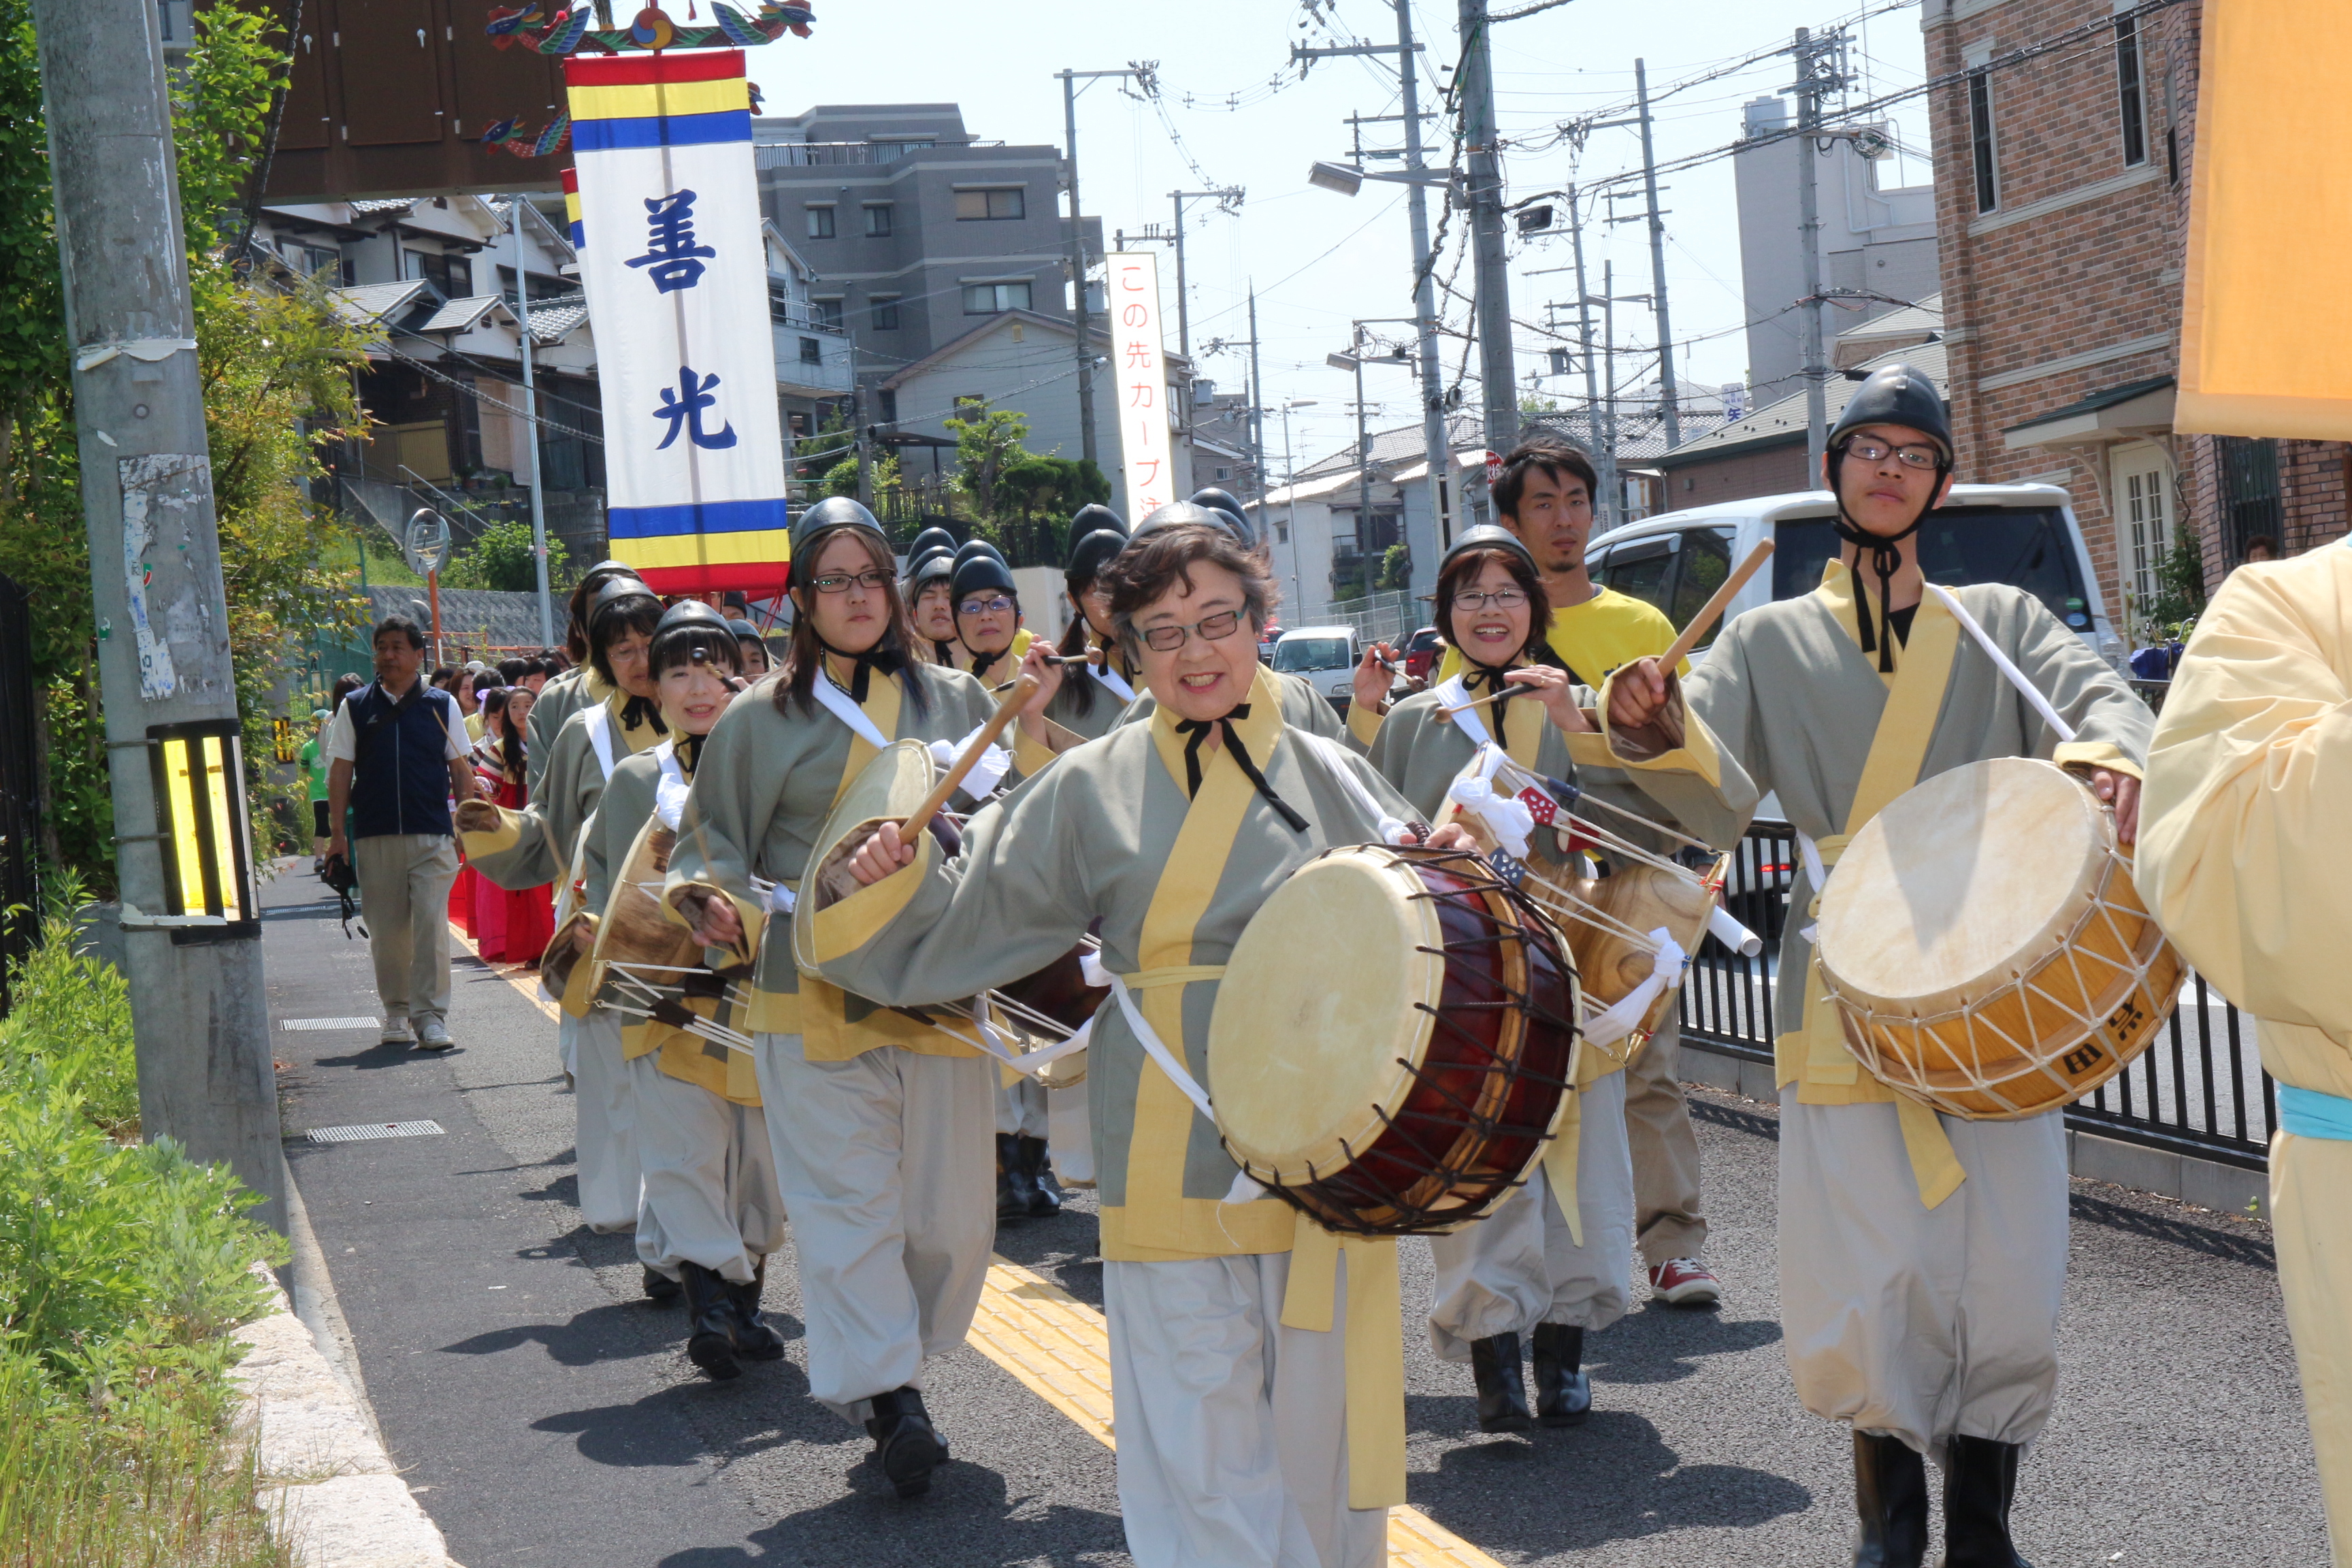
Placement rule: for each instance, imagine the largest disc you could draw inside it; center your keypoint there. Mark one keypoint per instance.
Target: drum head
(1318, 1002)
(1961, 884)
(887, 789)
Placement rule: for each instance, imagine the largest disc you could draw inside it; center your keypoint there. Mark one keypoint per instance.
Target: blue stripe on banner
(579, 237)
(661, 130)
(694, 517)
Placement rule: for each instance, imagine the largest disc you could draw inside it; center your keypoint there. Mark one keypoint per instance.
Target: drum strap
(1111, 679)
(600, 735)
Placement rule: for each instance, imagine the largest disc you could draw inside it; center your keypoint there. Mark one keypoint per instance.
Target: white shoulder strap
(2016, 677)
(1111, 679)
(669, 793)
(836, 703)
(1337, 757)
(600, 735)
(1453, 693)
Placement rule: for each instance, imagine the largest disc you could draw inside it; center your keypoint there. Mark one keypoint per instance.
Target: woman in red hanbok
(510, 927)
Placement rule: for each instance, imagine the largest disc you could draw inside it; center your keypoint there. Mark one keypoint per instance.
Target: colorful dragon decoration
(559, 30)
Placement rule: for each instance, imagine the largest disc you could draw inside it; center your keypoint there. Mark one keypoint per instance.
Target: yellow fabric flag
(2270, 223)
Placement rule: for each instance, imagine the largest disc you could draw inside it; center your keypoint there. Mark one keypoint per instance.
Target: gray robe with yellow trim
(1922, 1257)
(558, 698)
(761, 792)
(535, 846)
(1102, 711)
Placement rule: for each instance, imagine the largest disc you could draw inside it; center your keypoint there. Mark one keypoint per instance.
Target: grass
(386, 569)
(123, 1267)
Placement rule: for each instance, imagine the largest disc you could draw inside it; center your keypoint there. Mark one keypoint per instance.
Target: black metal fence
(20, 795)
(2198, 1090)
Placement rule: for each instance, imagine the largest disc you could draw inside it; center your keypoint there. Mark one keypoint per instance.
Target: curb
(328, 1488)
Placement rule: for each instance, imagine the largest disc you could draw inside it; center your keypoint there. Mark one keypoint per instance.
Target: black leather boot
(905, 1442)
(1980, 1483)
(1045, 1190)
(756, 1338)
(1890, 1493)
(712, 1322)
(1502, 1393)
(1563, 1390)
(1015, 1190)
(659, 1286)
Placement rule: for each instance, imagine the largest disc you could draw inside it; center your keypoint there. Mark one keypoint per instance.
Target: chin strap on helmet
(1885, 562)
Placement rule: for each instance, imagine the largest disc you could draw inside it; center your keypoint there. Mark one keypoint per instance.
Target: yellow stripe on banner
(647, 99)
(1060, 1349)
(752, 547)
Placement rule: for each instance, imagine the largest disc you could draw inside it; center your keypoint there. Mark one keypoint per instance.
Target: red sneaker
(1685, 1282)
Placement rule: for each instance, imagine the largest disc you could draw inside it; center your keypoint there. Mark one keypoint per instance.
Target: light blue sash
(2308, 1113)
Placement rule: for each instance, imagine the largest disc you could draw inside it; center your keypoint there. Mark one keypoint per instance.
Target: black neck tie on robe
(639, 712)
(1199, 731)
(878, 656)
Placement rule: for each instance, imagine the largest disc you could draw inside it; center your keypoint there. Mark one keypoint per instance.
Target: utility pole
(1476, 82)
(1257, 422)
(1229, 198)
(1813, 83)
(200, 1019)
(1605, 459)
(1658, 264)
(1087, 447)
(1363, 468)
(530, 422)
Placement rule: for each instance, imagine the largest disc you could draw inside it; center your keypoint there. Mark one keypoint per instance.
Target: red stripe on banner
(641, 70)
(571, 182)
(751, 577)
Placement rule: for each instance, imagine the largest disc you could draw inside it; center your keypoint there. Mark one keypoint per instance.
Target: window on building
(311, 260)
(886, 312)
(987, 299)
(453, 275)
(811, 352)
(886, 400)
(991, 203)
(1224, 474)
(798, 423)
(2250, 502)
(1980, 141)
(2144, 496)
(820, 222)
(826, 312)
(2130, 92)
(878, 220)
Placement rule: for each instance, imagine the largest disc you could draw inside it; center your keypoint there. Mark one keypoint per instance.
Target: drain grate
(293, 1026)
(367, 1130)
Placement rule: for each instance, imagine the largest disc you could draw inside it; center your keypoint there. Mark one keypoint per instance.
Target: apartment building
(2062, 196)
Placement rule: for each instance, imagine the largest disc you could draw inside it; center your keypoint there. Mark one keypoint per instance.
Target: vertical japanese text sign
(1140, 377)
(678, 284)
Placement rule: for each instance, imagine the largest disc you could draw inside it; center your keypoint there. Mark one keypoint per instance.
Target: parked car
(1326, 656)
(1421, 652)
(2025, 535)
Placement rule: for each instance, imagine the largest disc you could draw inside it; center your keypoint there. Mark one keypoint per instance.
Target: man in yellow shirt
(1544, 494)
(2243, 846)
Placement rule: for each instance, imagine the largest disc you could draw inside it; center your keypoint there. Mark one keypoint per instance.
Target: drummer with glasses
(988, 616)
(1254, 1425)
(1529, 1270)
(1922, 1254)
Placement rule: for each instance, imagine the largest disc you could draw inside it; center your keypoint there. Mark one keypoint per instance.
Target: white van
(2025, 535)
(1326, 656)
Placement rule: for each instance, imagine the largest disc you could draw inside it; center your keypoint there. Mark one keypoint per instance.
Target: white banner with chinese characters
(676, 272)
(1139, 372)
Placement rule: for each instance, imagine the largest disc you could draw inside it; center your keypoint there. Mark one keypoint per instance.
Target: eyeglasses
(1215, 628)
(1501, 599)
(997, 605)
(872, 581)
(1909, 457)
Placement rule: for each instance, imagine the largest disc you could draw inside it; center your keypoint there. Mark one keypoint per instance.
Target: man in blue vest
(398, 749)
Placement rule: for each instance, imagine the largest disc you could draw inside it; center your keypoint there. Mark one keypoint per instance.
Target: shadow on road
(968, 1516)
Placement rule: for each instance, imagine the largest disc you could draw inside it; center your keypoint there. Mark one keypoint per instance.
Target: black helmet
(1216, 500)
(831, 514)
(1092, 516)
(617, 589)
(1897, 394)
(1486, 536)
(972, 547)
(607, 568)
(1090, 554)
(938, 566)
(743, 629)
(1177, 511)
(983, 569)
(692, 613)
(930, 539)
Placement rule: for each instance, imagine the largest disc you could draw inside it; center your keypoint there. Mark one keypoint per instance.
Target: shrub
(71, 1012)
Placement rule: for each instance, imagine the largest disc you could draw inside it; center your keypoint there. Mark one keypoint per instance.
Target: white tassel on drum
(986, 773)
(1505, 816)
(1607, 1027)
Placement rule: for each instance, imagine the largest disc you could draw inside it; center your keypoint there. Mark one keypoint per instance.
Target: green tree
(503, 558)
(985, 445)
(1396, 568)
(2179, 596)
(1031, 487)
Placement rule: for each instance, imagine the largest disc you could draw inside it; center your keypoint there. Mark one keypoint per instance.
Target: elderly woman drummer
(1529, 1268)
(1254, 1425)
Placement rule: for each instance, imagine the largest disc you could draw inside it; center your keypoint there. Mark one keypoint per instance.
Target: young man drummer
(1922, 1256)
(710, 1210)
(2243, 845)
(1543, 494)
(1526, 1269)
(930, 606)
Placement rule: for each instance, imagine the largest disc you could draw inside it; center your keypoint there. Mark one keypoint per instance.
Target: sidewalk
(543, 1414)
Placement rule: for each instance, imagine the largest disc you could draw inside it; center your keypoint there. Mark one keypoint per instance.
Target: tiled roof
(456, 315)
(1910, 321)
(388, 204)
(1787, 417)
(552, 321)
(367, 304)
(1641, 429)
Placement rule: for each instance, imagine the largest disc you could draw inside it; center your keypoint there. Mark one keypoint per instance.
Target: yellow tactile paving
(522, 977)
(1060, 1348)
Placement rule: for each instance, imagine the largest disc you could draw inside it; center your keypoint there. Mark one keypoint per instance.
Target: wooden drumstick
(1007, 711)
(1711, 611)
(1050, 658)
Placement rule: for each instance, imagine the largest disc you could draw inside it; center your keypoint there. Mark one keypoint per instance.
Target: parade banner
(671, 258)
(1140, 375)
(2270, 217)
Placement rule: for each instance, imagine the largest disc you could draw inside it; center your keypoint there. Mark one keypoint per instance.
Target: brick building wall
(1773, 470)
(2069, 286)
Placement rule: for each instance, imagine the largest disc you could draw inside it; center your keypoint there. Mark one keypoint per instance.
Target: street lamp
(1341, 177)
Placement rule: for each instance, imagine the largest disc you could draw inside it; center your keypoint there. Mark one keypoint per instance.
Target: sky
(1233, 110)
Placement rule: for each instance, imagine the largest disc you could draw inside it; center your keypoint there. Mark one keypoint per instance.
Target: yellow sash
(1817, 1058)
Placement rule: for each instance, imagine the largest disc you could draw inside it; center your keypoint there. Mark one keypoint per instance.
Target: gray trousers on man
(404, 882)
(1667, 1219)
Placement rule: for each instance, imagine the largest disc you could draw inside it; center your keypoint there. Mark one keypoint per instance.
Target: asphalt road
(545, 1413)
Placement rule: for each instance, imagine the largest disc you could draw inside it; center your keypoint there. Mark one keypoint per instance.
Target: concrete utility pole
(1364, 534)
(1813, 83)
(1435, 448)
(1257, 416)
(1476, 82)
(530, 422)
(1229, 198)
(1085, 350)
(1666, 389)
(199, 1016)
(1605, 459)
